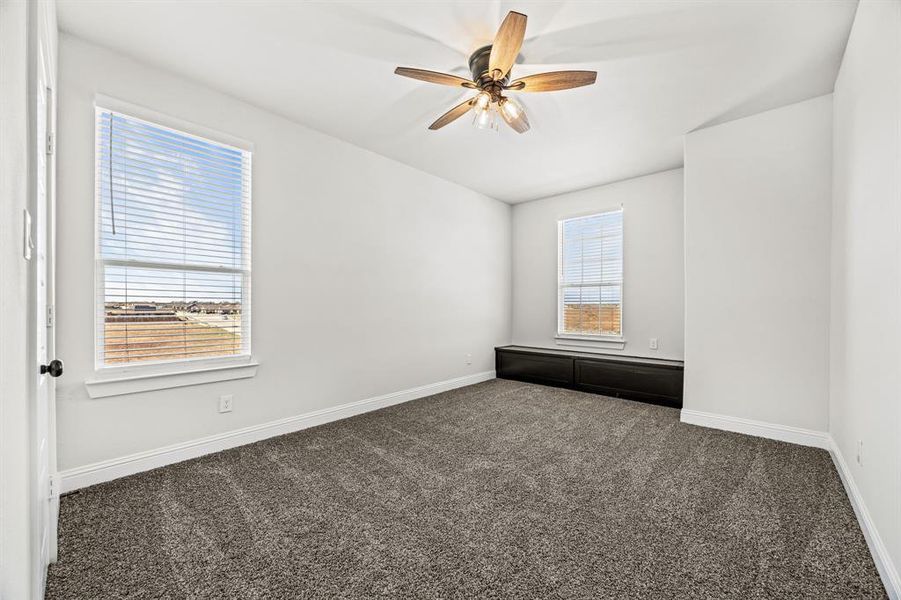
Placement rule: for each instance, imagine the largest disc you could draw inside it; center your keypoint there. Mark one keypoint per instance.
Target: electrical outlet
(653, 343)
(860, 452)
(225, 403)
(469, 359)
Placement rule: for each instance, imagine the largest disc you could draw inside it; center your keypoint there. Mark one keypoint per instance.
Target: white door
(46, 368)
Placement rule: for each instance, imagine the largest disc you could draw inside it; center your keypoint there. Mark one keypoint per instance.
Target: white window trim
(602, 341)
(147, 379)
(116, 380)
(163, 120)
(606, 342)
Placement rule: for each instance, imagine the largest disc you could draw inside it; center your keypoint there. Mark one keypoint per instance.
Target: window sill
(607, 342)
(138, 380)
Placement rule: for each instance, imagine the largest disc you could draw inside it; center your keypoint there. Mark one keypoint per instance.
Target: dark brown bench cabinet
(635, 378)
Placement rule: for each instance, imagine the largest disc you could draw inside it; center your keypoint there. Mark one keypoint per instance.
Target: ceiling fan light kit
(490, 67)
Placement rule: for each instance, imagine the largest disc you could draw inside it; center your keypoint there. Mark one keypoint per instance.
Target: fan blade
(434, 77)
(551, 82)
(453, 114)
(506, 45)
(519, 122)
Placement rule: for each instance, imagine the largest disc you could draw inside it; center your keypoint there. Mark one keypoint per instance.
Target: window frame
(220, 367)
(616, 341)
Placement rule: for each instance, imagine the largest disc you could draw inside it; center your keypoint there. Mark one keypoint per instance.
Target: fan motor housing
(478, 66)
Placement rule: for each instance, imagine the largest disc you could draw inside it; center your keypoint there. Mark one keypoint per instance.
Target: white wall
(865, 390)
(757, 230)
(652, 263)
(421, 280)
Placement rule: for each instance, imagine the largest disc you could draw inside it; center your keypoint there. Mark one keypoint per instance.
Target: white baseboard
(884, 565)
(79, 477)
(772, 431)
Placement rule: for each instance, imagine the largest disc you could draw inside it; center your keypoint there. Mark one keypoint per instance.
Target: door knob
(54, 369)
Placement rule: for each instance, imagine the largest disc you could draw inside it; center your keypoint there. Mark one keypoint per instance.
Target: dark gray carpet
(498, 490)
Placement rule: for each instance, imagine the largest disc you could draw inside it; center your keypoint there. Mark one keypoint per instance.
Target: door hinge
(55, 485)
(51, 143)
(50, 315)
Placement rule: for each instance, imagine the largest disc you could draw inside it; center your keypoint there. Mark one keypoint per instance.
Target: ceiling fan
(490, 67)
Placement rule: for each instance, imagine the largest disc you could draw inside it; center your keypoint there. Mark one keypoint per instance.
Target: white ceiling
(664, 68)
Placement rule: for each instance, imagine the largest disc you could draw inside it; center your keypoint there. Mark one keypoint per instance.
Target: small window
(172, 245)
(590, 275)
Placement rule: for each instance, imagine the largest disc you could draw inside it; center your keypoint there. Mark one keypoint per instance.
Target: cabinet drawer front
(557, 370)
(645, 380)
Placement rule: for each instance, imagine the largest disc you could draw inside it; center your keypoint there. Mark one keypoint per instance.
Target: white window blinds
(173, 244)
(590, 292)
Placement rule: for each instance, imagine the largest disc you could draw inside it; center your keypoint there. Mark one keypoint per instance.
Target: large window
(172, 244)
(590, 275)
